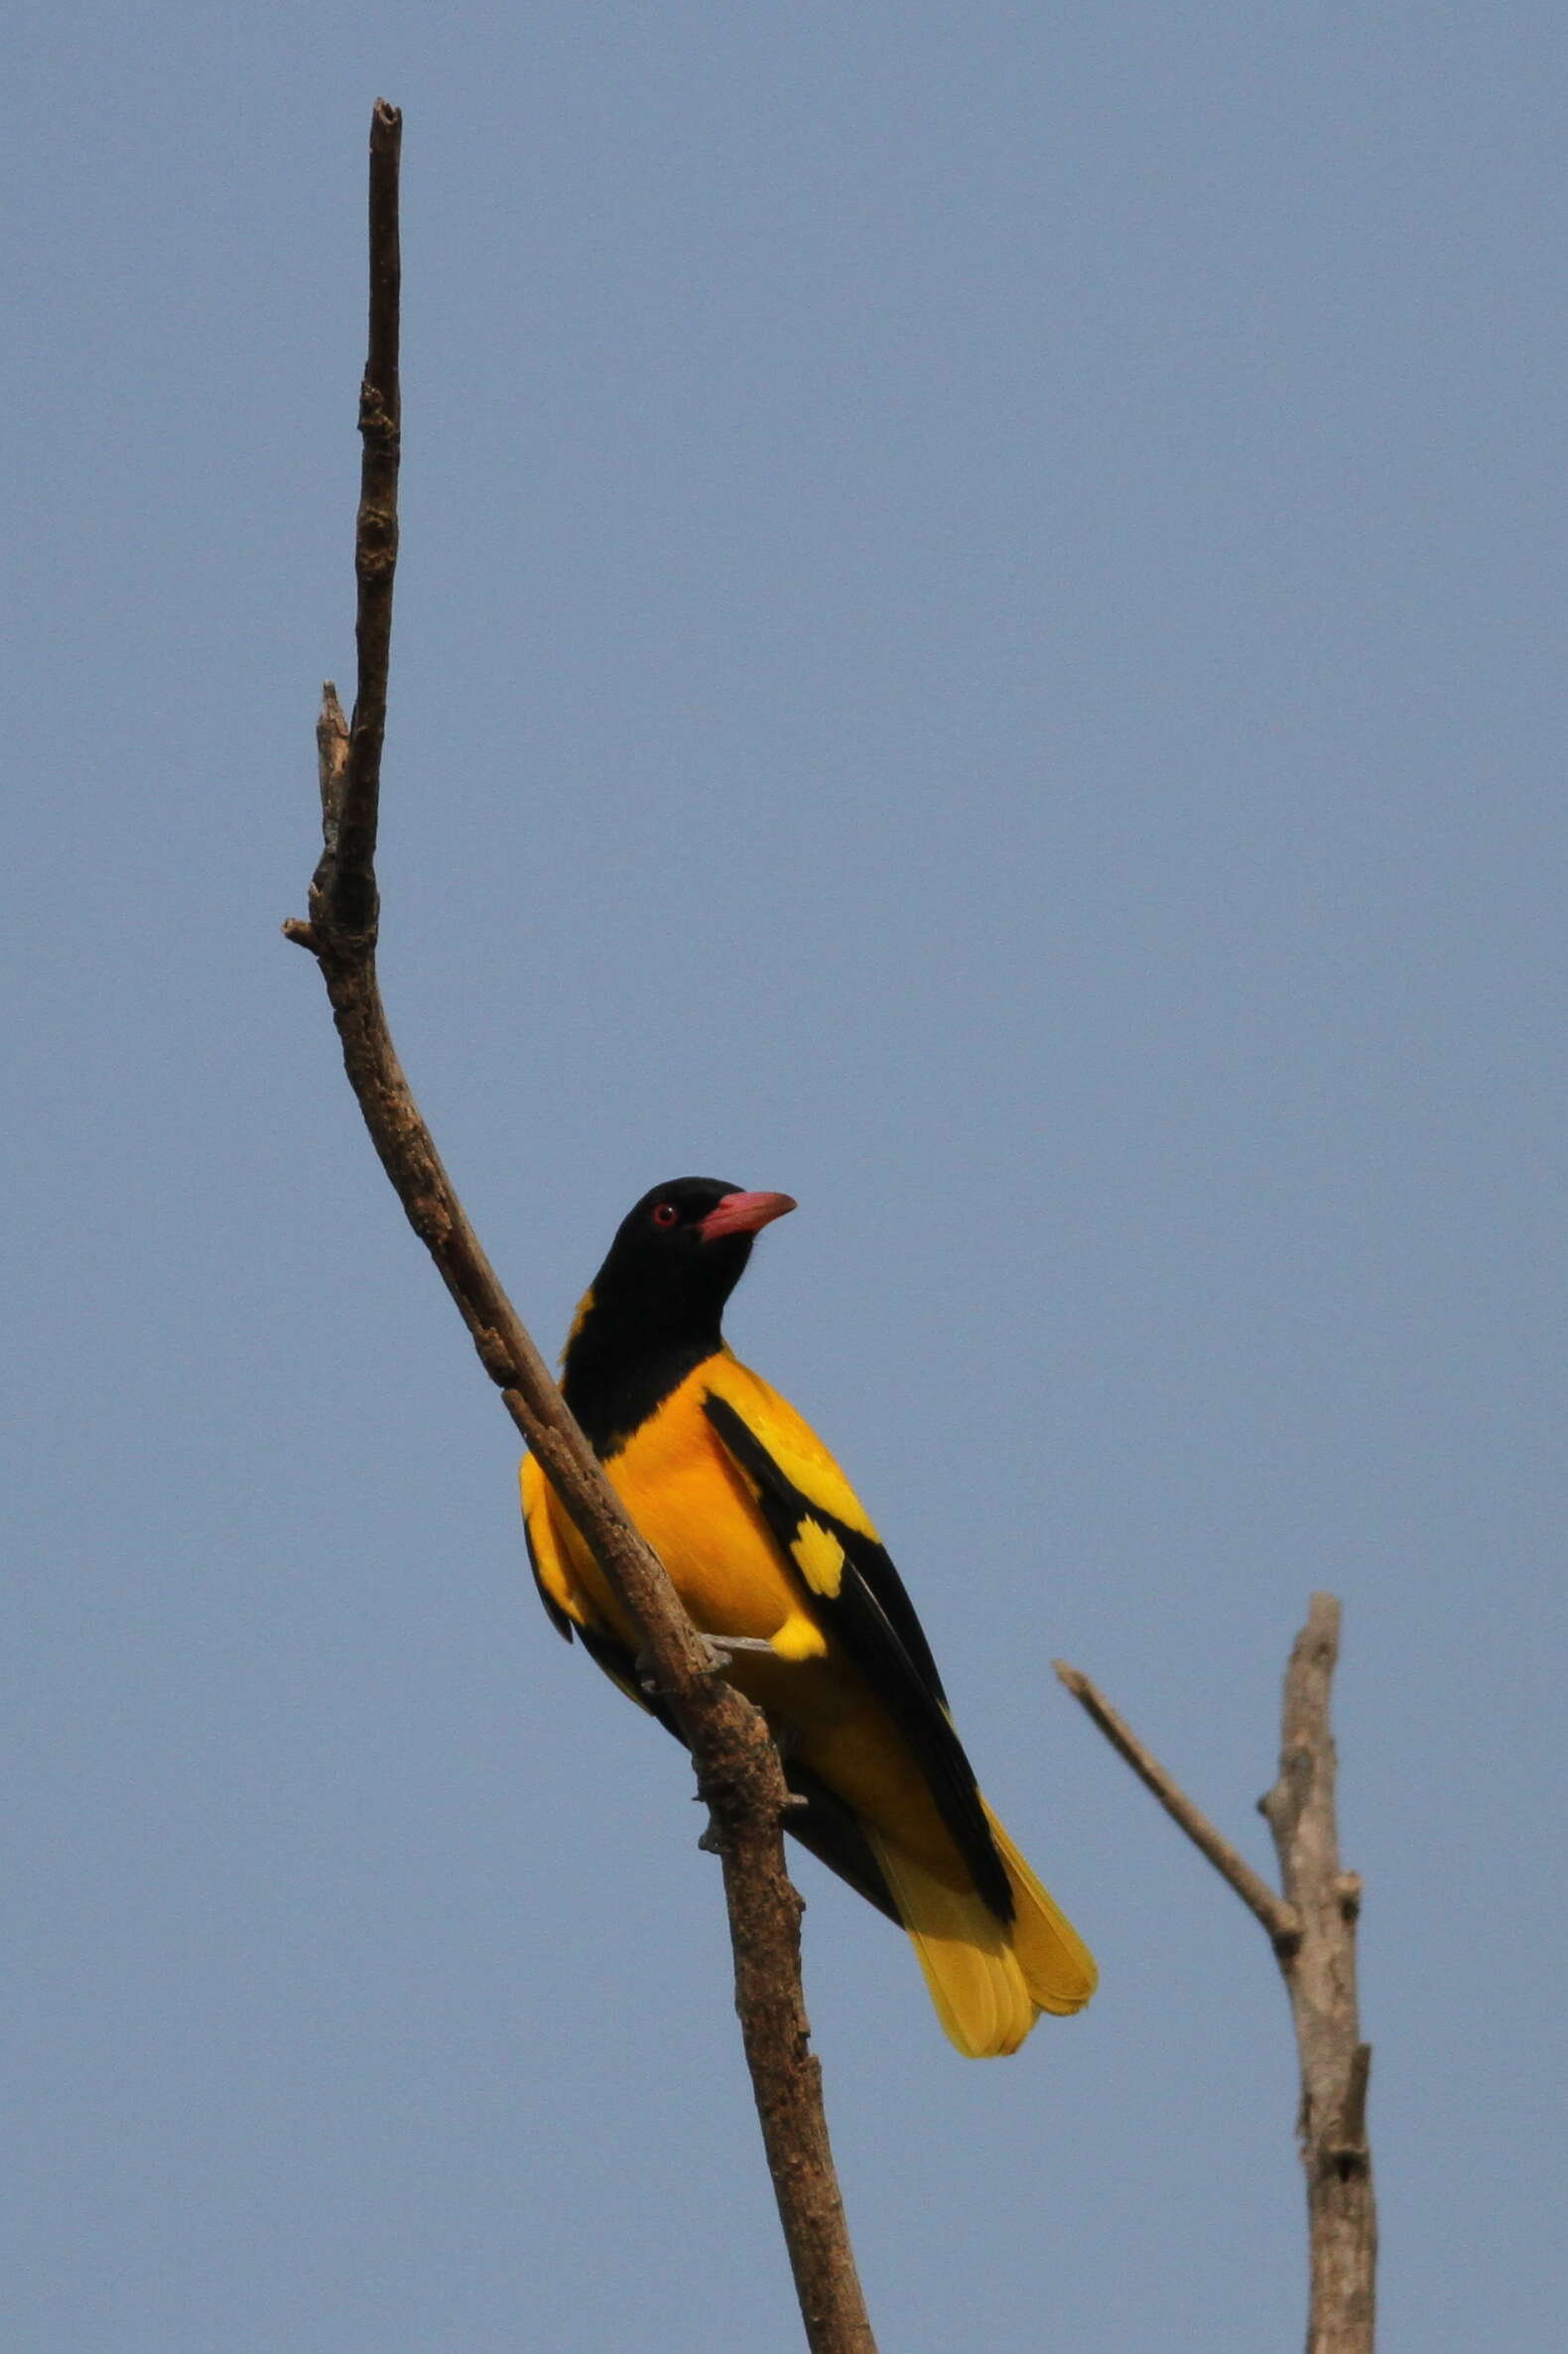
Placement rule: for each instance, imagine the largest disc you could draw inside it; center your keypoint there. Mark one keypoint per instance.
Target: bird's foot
(725, 1647)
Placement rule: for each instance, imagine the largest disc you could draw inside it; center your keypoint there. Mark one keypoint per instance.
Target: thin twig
(1312, 1928)
(1278, 1919)
(353, 840)
(737, 1766)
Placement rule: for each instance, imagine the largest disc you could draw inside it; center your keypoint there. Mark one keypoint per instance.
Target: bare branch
(1319, 1979)
(738, 1767)
(1277, 1918)
(351, 842)
(1312, 1928)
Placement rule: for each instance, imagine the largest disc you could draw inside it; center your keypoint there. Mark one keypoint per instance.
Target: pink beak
(743, 1214)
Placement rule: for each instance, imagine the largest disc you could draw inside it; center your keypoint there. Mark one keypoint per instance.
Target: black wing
(874, 1617)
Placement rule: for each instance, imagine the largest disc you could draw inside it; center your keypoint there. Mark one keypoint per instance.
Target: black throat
(619, 1368)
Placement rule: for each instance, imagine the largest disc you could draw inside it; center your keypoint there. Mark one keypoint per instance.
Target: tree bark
(738, 1767)
(1319, 1979)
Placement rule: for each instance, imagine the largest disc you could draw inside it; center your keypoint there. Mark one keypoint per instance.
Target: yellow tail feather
(970, 1968)
(988, 1983)
(1057, 1964)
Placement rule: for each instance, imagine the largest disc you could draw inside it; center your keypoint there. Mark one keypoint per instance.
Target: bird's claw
(724, 1647)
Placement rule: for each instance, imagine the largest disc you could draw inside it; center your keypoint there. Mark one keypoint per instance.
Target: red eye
(666, 1214)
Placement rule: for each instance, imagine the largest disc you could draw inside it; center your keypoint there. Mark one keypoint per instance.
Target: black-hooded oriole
(772, 1552)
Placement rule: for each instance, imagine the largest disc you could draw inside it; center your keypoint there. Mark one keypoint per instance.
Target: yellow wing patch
(819, 1557)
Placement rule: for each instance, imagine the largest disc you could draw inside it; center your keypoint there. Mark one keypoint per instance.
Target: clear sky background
(979, 639)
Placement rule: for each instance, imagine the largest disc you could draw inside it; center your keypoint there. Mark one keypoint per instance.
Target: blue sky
(978, 640)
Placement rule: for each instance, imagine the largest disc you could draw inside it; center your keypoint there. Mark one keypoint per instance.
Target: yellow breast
(696, 1511)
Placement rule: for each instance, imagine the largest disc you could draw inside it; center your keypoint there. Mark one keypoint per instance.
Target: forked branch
(737, 1768)
(1312, 1928)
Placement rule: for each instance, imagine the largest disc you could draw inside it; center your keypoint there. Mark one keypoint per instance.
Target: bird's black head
(656, 1305)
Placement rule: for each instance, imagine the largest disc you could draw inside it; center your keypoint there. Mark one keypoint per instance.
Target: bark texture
(1320, 1978)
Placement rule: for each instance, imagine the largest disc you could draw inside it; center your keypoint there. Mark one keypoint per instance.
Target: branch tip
(1276, 1917)
(1319, 1979)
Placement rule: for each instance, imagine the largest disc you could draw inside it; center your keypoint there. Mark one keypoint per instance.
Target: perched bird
(775, 1559)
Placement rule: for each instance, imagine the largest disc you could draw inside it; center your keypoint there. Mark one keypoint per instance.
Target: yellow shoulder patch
(792, 1442)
